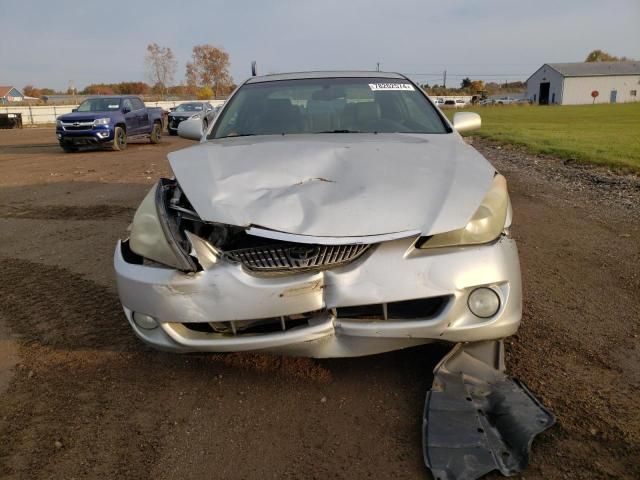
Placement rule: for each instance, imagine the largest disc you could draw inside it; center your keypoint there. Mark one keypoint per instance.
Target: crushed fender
(476, 418)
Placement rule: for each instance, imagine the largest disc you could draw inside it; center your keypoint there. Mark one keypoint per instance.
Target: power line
(469, 74)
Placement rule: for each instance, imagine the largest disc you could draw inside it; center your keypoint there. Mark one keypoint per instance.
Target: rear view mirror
(74, 109)
(191, 128)
(466, 121)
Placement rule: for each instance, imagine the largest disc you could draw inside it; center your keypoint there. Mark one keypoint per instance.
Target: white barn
(574, 83)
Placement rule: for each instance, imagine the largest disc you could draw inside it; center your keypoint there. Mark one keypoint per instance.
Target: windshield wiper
(340, 131)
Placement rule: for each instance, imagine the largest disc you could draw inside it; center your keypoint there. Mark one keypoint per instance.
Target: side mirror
(466, 121)
(74, 109)
(191, 128)
(126, 109)
(171, 109)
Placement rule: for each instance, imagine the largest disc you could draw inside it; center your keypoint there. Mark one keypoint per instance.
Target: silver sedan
(324, 214)
(204, 112)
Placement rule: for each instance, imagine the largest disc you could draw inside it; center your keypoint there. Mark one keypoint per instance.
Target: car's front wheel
(156, 133)
(119, 139)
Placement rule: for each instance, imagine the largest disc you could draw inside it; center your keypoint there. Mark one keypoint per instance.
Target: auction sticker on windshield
(391, 86)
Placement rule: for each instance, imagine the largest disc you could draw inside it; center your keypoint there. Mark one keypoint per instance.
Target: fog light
(483, 302)
(144, 321)
(59, 135)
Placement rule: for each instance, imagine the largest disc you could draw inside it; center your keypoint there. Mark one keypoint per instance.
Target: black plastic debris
(477, 419)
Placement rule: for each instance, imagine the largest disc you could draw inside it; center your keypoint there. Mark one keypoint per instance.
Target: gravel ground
(80, 397)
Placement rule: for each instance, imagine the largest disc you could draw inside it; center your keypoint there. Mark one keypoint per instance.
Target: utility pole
(72, 88)
(378, 67)
(444, 79)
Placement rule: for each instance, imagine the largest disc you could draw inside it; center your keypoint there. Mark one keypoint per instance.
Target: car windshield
(189, 107)
(328, 105)
(99, 105)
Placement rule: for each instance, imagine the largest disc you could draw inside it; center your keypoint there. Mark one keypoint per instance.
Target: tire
(156, 133)
(119, 139)
(69, 148)
(173, 133)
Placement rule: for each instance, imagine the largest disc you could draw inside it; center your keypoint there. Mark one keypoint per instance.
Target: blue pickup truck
(109, 121)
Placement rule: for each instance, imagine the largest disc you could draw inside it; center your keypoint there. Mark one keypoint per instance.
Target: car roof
(325, 74)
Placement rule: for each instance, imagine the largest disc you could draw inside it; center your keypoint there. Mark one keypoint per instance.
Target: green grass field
(601, 134)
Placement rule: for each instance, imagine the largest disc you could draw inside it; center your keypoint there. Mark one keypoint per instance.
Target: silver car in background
(203, 111)
(324, 214)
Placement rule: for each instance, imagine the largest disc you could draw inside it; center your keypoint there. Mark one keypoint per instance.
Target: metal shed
(584, 83)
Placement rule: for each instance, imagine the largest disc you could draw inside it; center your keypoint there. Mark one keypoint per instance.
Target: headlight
(58, 122)
(153, 237)
(102, 121)
(483, 302)
(486, 224)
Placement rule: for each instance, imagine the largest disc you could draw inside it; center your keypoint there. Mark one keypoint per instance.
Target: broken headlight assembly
(155, 235)
(486, 224)
(167, 230)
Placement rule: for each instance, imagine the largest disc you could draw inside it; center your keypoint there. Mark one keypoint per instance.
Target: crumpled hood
(335, 185)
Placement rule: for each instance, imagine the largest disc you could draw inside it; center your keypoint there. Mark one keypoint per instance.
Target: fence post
(31, 115)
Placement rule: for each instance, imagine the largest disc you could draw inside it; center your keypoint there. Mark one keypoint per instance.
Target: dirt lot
(85, 399)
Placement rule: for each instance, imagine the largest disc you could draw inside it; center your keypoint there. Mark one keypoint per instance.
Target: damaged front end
(216, 287)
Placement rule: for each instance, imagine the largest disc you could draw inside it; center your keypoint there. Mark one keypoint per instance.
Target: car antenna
(253, 69)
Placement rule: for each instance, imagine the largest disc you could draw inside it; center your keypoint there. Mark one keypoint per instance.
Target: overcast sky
(49, 44)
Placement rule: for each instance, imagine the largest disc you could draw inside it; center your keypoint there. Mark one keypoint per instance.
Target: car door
(130, 118)
(142, 116)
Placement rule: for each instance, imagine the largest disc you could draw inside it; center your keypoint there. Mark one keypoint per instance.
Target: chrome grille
(295, 256)
(81, 125)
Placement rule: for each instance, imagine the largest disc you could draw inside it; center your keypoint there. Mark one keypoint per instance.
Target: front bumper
(95, 136)
(392, 272)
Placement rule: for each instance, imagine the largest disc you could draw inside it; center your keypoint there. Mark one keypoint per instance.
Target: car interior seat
(356, 116)
(280, 116)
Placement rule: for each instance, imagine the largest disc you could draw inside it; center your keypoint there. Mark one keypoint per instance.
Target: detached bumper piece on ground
(476, 418)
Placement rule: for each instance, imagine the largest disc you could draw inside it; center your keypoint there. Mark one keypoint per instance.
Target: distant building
(10, 94)
(575, 83)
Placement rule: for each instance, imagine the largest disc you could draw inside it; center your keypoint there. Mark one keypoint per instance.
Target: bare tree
(209, 66)
(161, 66)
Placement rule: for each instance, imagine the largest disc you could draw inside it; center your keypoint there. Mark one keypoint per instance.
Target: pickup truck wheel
(119, 139)
(156, 133)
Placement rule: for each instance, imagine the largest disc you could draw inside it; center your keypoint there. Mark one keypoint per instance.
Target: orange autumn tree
(209, 67)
